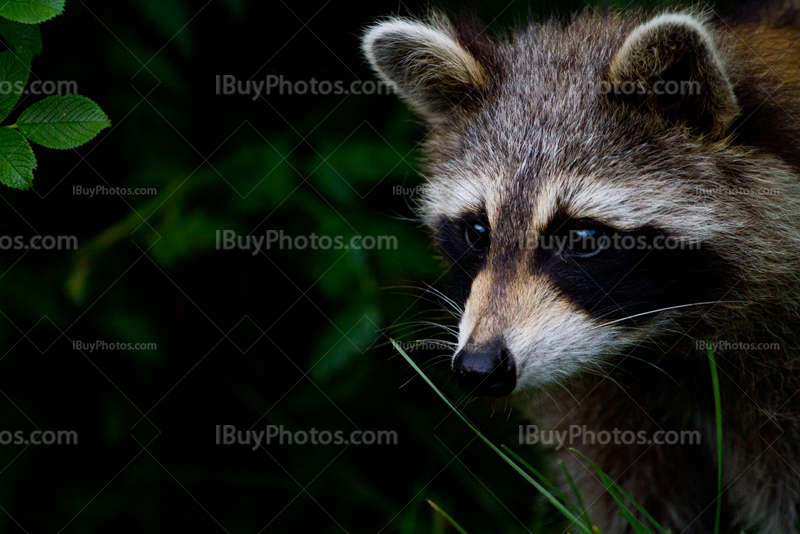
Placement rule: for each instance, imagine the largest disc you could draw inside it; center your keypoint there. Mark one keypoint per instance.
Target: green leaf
(31, 11)
(63, 122)
(25, 40)
(14, 75)
(16, 160)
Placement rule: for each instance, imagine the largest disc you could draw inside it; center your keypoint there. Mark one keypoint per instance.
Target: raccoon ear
(673, 66)
(426, 63)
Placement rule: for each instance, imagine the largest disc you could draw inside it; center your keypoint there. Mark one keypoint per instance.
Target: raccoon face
(566, 206)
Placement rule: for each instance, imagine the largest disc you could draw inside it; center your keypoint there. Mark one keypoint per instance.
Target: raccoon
(612, 192)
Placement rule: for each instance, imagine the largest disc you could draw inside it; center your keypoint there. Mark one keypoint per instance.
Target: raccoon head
(563, 184)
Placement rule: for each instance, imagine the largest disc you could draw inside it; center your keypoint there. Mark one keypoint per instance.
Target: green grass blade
(578, 506)
(619, 496)
(578, 497)
(551, 487)
(718, 411)
(447, 517)
(630, 499)
(543, 479)
(639, 507)
(549, 496)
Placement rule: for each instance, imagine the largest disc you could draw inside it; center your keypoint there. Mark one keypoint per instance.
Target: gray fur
(529, 135)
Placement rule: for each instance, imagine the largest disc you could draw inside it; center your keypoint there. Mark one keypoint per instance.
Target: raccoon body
(611, 193)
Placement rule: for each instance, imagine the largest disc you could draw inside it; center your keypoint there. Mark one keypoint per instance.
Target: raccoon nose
(487, 370)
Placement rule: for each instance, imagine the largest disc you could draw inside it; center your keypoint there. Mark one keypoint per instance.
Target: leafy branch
(58, 122)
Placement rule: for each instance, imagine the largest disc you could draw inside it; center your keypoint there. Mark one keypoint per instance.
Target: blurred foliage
(285, 337)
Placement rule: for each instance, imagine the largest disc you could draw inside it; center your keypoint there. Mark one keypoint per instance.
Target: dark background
(286, 337)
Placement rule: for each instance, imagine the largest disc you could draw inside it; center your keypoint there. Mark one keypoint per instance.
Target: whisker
(445, 298)
(666, 309)
(450, 312)
(655, 366)
(569, 393)
(433, 291)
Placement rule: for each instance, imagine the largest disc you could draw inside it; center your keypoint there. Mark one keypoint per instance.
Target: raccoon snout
(486, 370)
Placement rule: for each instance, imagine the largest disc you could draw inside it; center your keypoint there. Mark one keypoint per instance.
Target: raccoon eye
(587, 242)
(477, 236)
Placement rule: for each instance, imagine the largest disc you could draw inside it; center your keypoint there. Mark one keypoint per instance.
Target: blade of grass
(447, 517)
(555, 502)
(578, 506)
(547, 483)
(718, 411)
(630, 499)
(578, 498)
(639, 507)
(542, 479)
(618, 494)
